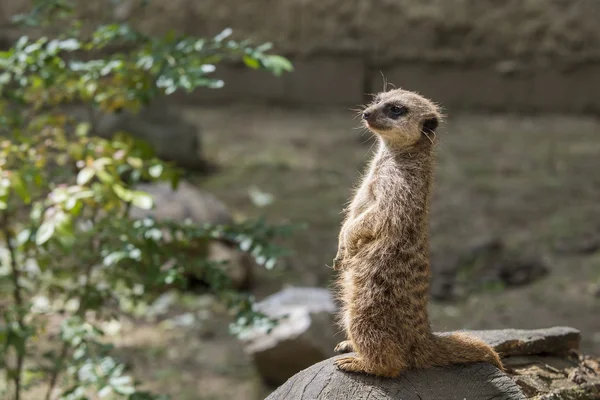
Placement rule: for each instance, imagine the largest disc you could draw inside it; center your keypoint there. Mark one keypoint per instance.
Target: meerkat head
(402, 118)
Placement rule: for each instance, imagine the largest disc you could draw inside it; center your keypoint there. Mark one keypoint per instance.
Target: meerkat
(383, 253)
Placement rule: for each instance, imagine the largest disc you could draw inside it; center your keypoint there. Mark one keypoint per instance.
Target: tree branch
(17, 297)
(80, 312)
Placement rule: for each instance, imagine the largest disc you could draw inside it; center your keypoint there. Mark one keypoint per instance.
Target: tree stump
(323, 381)
(541, 364)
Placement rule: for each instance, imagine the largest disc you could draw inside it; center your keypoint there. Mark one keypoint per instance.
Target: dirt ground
(534, 181)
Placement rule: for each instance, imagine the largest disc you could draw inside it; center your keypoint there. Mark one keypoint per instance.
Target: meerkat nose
(366, 115)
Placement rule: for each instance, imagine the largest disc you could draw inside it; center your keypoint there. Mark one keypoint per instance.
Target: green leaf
(142, 200)
(5, 78)
(44, 233)
(122, 385)
(135, 162)
(69, 44)
(174, 181)
(21, 188)
(270, 263)
(113, 258)
(123, 193)
(264, 47)
(251, 62)
(23, 236)
(82, 129)
(105, 176)
(246, 244)
(223, 35)
(73, 205)
(105, 391)
(155, 171)
(21, 42)
(85, 175)
(277, 64)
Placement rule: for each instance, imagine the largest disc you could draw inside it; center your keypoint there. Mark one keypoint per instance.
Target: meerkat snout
(430, 125)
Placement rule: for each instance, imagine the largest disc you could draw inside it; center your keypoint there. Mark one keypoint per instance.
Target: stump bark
(323, 381)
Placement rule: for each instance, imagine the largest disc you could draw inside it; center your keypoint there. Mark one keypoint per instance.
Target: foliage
(65, 196)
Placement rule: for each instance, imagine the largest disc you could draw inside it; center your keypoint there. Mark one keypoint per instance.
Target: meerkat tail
(461, 348)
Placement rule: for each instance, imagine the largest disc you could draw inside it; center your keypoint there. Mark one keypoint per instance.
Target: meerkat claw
(344, 347)
(336, 263)
(349, 364)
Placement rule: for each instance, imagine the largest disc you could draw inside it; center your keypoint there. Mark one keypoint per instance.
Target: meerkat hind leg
(358, 364)
(350, 364)
(343, 347)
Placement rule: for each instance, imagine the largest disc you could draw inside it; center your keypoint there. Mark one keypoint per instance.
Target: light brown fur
(383, 254)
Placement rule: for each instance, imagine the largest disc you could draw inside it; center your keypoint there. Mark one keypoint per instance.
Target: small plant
(69, 250)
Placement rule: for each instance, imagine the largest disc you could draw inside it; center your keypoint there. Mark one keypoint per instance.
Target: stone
(200, 207)
(239, 266)
(159, 124)
(185, 202)
(302, 338)
(586, 245)
(488, 263)
(519, 342)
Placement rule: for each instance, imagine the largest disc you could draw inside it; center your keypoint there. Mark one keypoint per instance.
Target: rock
(484, 265)
(161, 126)
(304, 337)
(518, 342)
(189, 202)
(323, 381)
(186, 201)
(239, 267)
(586, 245)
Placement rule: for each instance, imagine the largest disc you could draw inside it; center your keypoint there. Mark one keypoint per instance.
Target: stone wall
(515, 55)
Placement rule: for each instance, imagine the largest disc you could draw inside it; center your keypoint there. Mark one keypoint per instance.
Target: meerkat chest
(364, 198)
(379, 187)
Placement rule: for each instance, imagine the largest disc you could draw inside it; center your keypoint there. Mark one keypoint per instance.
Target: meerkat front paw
(350, 364)
(337, 264)
(337, 261)
(344, 347)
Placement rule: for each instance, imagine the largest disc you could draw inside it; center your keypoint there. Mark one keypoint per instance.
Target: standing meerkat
(383, 253)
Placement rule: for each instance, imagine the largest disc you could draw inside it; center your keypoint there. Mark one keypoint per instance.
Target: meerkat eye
(397, 111)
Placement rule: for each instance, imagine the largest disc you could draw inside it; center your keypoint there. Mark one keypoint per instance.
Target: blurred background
(515, 221)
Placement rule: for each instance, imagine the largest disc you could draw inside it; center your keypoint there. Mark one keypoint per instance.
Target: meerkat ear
(430, 125)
